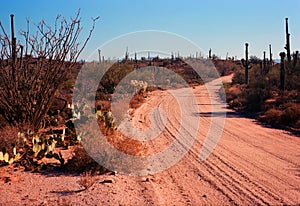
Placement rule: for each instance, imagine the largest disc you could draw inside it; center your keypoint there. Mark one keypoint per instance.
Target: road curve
(251, 164)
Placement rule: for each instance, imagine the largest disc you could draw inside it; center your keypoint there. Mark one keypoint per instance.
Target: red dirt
(251, 164)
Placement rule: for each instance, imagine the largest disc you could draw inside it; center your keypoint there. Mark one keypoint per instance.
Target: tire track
(234, 174)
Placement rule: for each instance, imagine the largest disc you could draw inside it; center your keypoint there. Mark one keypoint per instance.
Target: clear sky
(221, 25)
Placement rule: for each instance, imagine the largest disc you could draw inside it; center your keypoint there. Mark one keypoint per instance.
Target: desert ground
(251, 164)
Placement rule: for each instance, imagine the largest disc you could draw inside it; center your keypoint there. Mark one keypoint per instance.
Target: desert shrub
(69, 83)
(8, 137)
(291, 113)
(297, 125)
(82, 162)
(292, 95)
(3, 122)
(32, 72)
(233, 92)
(273, 116)
(273, 77)
(256, 92)
(287, 114)
(238, 78)
(136, 101)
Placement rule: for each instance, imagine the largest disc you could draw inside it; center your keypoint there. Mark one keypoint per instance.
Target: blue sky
(221, 25)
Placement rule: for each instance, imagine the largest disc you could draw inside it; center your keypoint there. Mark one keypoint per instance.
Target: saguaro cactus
(264, 64)
(270, 51)
(282, 71)
(295, 58)
(246, 64)
(287, 46)
(126, 54)
(99, 53)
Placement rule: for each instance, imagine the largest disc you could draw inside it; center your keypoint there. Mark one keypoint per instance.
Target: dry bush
(273, 116)
(233, 92)
(126, 144)
(291, 113)
(31, 73)
(8, 137)
(238, 78)
(287, 114)
(86, 180)
(293, 95)
(297, 125)
(3, 122)
(136, 101)
(81, 162)
(225, 67)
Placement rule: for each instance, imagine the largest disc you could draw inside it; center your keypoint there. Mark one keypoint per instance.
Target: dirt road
(251, 164)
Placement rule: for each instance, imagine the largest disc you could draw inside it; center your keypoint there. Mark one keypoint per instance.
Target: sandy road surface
(251, 164)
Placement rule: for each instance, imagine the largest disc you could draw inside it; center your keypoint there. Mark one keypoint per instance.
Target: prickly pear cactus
(5, 158)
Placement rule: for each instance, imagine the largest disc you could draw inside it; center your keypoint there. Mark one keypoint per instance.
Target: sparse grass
(86, 180)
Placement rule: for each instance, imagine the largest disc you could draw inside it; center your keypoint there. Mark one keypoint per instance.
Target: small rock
(106, 181)
(146, 179)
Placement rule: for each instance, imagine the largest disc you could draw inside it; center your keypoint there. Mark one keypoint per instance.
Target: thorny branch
(27, 91)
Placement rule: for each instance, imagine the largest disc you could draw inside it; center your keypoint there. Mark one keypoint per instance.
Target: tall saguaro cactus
(287, 46)
(295, 58)
(270, 52)
(126, 54)
(264, 64)
(282, 71)
(99, 53)
(246, 64)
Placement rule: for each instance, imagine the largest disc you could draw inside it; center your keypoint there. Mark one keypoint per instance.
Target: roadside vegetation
(262, 97)
(37, 80)
(269, 90)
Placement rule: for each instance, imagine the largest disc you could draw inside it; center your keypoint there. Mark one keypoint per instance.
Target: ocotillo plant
(282, 70)
(246, 63)
(287, 46)
(14, 48)
(30, 80)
